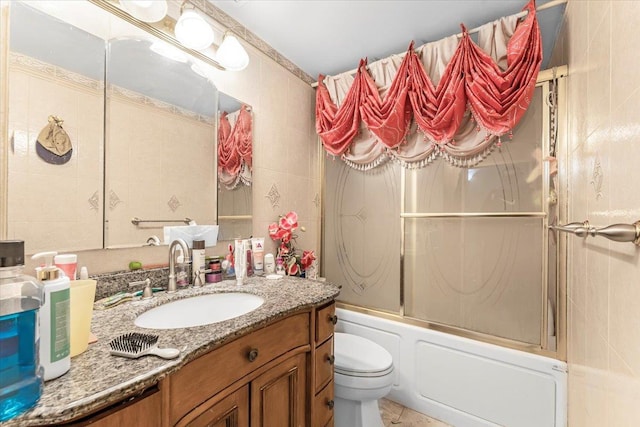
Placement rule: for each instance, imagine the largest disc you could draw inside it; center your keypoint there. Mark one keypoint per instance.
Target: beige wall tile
(599, 70)
(600, 39)
(624, 44)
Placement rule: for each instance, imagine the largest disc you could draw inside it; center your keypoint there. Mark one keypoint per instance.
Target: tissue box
(189, 233)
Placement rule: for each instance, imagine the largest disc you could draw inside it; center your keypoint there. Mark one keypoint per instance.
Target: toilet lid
(357, 356)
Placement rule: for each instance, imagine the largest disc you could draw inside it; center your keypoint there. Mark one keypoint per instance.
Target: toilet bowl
(363, 373)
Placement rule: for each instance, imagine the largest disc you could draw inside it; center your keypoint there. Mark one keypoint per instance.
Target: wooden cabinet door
(230, 411)
(146, 410)
(278, 397)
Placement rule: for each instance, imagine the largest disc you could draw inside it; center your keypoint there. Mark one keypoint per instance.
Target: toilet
(363, 373)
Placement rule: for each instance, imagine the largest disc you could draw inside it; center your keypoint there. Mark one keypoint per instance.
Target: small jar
(214, 274)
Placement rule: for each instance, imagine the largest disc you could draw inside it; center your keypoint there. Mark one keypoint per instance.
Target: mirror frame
(4, 119)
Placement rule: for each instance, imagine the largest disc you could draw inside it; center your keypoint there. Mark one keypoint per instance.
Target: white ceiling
(330, 36)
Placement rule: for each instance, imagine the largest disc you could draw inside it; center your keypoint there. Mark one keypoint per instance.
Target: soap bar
(135, 265)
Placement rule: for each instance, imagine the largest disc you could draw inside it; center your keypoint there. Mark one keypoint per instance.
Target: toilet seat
(359, 357)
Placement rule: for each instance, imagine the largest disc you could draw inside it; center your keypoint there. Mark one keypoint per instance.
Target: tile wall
(156, 176)
(599, 41)
(54, 202)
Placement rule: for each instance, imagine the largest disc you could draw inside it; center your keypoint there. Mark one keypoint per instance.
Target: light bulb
(146, 10)
(231, 55)
(193, 31)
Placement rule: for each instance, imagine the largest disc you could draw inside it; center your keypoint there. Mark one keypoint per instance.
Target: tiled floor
(394, 414)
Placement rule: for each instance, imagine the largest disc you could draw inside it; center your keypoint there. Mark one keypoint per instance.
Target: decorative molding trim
(274, 196)
(316, 200)
(597, 178)
(19, 61)
(114, 200)
(174, 203)
(94, 201)
(139, 98)
(220, 16)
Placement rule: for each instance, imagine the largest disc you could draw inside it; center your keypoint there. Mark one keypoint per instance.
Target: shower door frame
(545, 79)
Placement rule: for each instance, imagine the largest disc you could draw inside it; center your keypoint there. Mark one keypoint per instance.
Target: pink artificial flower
(284, 249)
(289, 221)
(286, 236)
(307, 259)
(273, 230)
(294, 269)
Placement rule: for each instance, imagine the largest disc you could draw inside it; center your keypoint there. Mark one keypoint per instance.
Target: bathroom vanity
(272, 366)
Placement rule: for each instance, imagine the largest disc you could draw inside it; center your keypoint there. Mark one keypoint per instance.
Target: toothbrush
(121, 297)
(135, 344)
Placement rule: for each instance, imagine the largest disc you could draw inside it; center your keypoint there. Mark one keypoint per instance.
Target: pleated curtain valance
(234, 148)
(452, 98)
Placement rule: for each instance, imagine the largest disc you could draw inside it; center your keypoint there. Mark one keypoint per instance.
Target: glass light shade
(169, 51)
(231, 55)
(193, 31)
(146, 10)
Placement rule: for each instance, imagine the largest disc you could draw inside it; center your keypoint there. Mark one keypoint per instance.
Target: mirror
(161, 133)
(235, 168)
(55, 69)
(59, 70)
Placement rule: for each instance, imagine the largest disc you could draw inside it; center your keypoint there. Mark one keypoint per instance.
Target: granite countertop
(97, 379)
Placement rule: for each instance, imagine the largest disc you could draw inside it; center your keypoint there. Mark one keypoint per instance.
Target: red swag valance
(234, 148)
(472, 86)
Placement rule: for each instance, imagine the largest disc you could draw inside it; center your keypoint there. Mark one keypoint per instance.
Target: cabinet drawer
(209, 374)
(323, 406)
(325, 322)
(324, 364)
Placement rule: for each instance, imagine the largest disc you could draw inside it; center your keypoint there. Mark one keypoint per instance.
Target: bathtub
(463, 382)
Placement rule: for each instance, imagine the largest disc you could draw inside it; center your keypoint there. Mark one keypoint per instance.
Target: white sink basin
(198, 311)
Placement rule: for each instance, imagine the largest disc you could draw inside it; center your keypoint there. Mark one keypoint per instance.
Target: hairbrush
(135, 344)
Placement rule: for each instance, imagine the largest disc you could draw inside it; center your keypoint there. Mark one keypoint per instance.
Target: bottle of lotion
(55, 326)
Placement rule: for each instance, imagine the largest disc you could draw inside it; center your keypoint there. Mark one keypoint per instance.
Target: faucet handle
(146, 281)
(147, 292)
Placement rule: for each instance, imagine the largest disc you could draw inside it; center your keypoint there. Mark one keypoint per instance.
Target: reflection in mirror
(235, 173)
(160, 157)
(55, 190)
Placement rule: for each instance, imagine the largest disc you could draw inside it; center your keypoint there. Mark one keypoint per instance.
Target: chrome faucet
(172, 262)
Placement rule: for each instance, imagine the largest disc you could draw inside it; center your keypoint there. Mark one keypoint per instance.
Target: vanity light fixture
(192, 30)
(146, 10)
(231, 55)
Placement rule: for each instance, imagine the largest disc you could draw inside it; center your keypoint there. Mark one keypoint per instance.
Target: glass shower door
(459, 249)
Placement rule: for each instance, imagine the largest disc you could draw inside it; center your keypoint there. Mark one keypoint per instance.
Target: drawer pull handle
(330, 403)
(333, 318)
(253, 354)
(331, 359)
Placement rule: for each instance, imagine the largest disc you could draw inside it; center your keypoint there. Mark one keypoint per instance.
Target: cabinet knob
(253, 354)
(330, 403)
(333, 318)
(331, 359)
